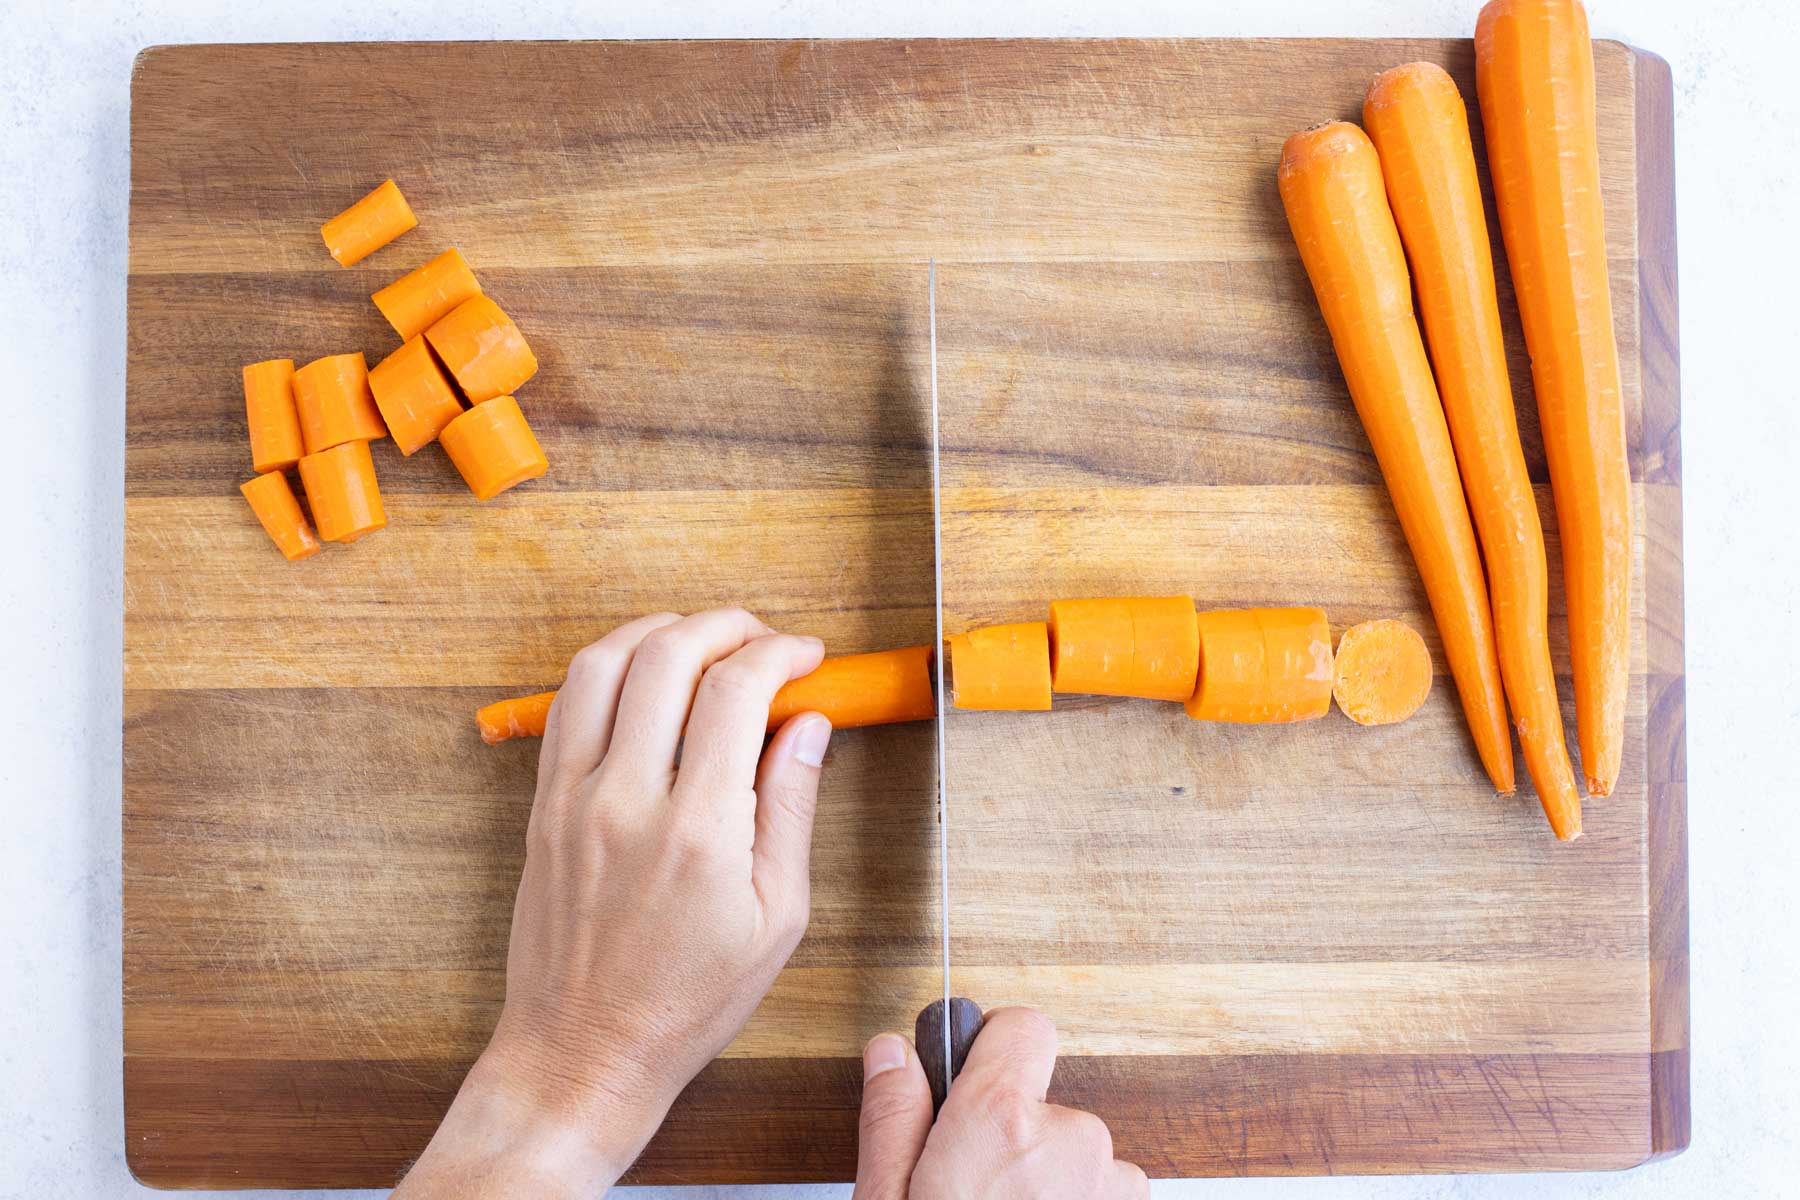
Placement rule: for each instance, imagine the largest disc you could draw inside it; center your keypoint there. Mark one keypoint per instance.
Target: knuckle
(1014, 1114)
(1091, 1133)
(592, 662)
(731, 681)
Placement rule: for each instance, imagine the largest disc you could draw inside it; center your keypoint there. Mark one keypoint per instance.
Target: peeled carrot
(368, 225)
(340, 487)
(852, 691)
(1262, 666)
(1383, 672)
(1127, 646)
(483, 349)
(1420, 128)
(275, 441)
(1002, 667)
(1331, 187)
(416, 300)
(493, 447)
(1534, 72)
(335, 405)
(272, 500)
(413, 395)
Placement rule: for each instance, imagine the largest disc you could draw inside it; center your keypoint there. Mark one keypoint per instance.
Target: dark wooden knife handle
(928, 1040)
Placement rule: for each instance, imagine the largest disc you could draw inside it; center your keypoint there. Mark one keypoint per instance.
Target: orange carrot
(1420, 128)
(415, 301)
(1534, 71)
(852, 691)
(1002, 667)
(1331, 188)
(493, 447)
(1262, 666)
(340, 486)
(1383, 672)
(272, 500)
(483, 349)
(413, 395)
(275, 442)
(1129, 646)
(334, 402)
(368, 225)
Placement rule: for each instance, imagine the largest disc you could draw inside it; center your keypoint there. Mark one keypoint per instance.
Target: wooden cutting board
(1269, 950)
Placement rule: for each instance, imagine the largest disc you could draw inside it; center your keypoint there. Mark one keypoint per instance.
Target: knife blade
(947, 1027)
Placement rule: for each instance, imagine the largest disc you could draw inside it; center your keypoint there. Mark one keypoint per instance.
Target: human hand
(996, 1138)
(658, 901)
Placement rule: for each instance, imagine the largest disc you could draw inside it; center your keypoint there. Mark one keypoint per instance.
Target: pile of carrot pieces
(1443, 427)
(457, 348)
(1254, 666)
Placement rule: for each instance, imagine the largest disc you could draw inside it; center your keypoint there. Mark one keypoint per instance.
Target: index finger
(1016, 1048)
(730, 718)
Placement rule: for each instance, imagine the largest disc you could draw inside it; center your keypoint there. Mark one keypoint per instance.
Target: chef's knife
(947, 1026)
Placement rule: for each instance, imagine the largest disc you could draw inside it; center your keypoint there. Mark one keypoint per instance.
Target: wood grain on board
(1269, 950)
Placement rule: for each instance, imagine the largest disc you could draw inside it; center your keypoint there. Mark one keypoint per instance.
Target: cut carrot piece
(272, 500)
(335, 405)
(340, 486)
(1383, 672)
(1331, 186)
(483, 349)
(1141, 646)
(1262, 665)
(1534, 71)
(368, 225)
(414, 396)
(1002, 667)
(1420, 128)
(417, 300)
(493, 447)
(275, 441)
(883, 688)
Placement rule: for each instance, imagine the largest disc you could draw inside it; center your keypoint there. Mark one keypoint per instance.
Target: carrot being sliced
(1143, 646)
(272, 500)
(1331, 187)
(335, 405)
(368, 225)
(855, 690)
(1262, 666)
(1420, 128)
(275, 440)
(1534, 72)
(340, 487)
(493, 447)
(417, 300)
(1383, 672)
(413, 395)
(1002, 667)
(483, 349)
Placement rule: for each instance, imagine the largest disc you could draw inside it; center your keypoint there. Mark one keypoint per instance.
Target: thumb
(787, 794)
(896, 1117)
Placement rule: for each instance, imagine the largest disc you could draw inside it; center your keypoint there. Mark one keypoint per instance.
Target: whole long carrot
(1331, 188)
(1416, 118)
(1534, 71)
(852, 690)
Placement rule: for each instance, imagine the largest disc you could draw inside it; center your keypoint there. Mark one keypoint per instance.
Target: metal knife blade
(946, 1028)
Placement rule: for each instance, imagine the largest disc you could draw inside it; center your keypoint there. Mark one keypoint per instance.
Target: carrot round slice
(483, 348)
(272, 500)
(332, 397)
(1262, 666)
(1090, 646)
(340, 486)
(1383, 672)
(368, 225)
(1165, 649)
(1002, 667)
(420, 298)
(493, 447)
(275, 441)
(414, 396)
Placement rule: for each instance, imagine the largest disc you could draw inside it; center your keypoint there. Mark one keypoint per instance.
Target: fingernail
(810, 741)
(883, 1053)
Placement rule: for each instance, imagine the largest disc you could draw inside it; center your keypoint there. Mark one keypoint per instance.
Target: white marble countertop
(64, 73)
